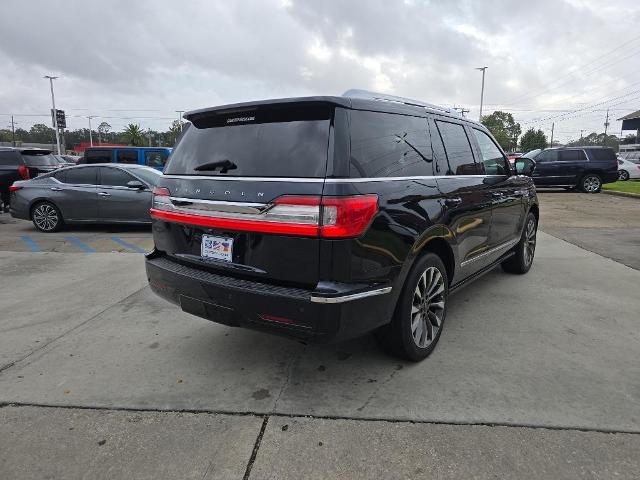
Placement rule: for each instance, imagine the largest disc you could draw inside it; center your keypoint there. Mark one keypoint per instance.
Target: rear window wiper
(223, 165)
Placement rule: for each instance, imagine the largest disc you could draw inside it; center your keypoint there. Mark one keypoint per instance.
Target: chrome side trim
(349, 298)
(218, 205)
(392, 179)
(495, 249)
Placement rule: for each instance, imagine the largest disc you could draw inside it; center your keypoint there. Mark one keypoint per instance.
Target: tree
(134, 135)
(597, 139)
(40, 133)
(504, 128)
(103, 130)
(629, 139)
(533, 139)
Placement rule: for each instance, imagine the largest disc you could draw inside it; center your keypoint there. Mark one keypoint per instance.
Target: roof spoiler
(367, 95)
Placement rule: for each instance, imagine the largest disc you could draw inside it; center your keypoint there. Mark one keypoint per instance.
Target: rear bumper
(610, 177)
(330, 312)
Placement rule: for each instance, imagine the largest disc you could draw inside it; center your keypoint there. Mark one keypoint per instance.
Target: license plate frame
(215, 247)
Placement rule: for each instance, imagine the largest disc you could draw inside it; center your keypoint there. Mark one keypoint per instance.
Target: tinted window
(61, 175)
(604, 154)
(155, 159)
(82, 176)
(492, 159)
(291, 142)
(388, 145)
(97, 156)
(457, 149)
(114, 177)
(572, 155)
(9, 158)
(39, 160)
(127, 156)
(547, 156)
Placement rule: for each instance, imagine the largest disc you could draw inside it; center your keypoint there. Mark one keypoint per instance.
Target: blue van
(155, 157)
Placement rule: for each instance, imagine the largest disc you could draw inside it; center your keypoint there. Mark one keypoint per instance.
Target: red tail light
(309, 216)
(14, 188)
(23, 171)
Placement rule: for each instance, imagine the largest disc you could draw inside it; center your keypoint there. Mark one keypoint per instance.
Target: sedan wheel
(623, 175)
(591, 183)
(46, 217)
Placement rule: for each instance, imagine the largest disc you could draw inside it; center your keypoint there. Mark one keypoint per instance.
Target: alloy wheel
(591, 183)
(427, 308)
(529, 246)
(624, 175)
(46, 217)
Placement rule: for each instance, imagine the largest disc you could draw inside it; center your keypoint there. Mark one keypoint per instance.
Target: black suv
(323, 218)
(585, 168)
(22, 164)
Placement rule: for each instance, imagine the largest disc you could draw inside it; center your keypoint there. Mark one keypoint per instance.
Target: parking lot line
(128, 245)
(80, 244)
(33, 246)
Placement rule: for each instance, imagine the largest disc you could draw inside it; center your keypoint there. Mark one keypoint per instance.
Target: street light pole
(90, 135)
(180, 112)
(13, 132)
(55, 117)
(482, 91)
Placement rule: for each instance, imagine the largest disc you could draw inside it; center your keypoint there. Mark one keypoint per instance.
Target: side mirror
(136, 184)
(525, 166)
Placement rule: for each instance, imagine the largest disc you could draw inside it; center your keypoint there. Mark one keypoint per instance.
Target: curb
(620, 194)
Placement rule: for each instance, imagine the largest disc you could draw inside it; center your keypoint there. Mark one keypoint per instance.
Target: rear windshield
(149, 175)
(32, 160)
(291, 142)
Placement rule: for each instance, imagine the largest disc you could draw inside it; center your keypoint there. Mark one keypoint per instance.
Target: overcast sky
(146, 59)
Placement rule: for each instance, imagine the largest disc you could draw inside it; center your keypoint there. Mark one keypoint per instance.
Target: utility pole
(482, 91)
(55, 116)
(13, 132)
(582, 130)
(90, 134)
(462, 110)
(606, 126)
(553, 124)
(180, 112)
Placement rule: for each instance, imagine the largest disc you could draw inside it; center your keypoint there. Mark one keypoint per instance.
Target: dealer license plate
(217, 248)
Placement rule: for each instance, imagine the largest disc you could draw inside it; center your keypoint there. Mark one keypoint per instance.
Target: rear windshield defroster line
(276, 142)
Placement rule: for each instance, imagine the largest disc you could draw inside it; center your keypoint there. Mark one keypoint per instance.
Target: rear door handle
(56, 189)
(452, 202)
(104, 194)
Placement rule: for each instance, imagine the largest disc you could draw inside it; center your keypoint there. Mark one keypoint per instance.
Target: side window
(9, 157)
(155, 159)
(492, 158)
(127, 156)
(97, 156)
(547, 156)
(61, 175)
(82, 176)
(457, 148)
(114, 177)
(572, 156)
(389, 145)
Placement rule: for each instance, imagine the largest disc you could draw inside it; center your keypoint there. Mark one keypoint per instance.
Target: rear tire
(46, 217)
(525, 249)
(420, 313)
(591, 183)
(623, 175)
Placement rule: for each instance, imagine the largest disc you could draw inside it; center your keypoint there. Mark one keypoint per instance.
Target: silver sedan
(102, 193)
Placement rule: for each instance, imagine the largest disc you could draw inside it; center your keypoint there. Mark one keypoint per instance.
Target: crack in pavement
(294, 358)
(75, 327)
(256, 447)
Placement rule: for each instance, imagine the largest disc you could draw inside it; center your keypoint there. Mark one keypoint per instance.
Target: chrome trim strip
(245, 179)
(502, 246)
(349, 298)
(322, 180)
(218, 205)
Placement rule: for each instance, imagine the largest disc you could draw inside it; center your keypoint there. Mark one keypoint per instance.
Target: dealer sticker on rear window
(218, 248)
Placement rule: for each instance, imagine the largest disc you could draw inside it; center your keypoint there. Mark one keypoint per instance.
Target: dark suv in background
(22, 164)
(323, 218)
(585, 168)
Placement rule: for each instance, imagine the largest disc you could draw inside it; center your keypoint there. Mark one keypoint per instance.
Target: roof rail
(356, 93)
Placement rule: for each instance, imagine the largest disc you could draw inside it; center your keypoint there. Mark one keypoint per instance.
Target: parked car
(72, 158)
(324, 218)
(513, 155)
(103, 193)
(628, 169)
(21, 164)
(62, 161)
(155, 157)
(585, 168)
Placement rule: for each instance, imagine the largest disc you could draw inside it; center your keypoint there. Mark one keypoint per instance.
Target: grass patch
(630, 186)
